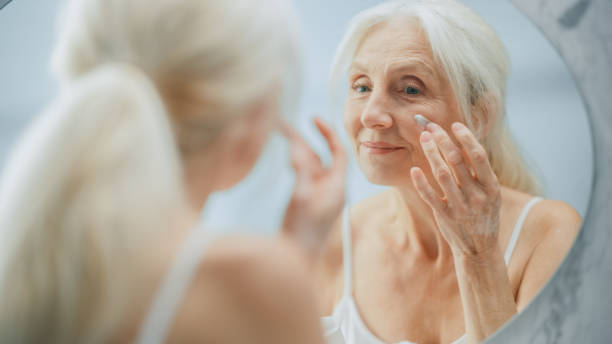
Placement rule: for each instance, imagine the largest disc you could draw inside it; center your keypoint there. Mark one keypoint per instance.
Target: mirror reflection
(408, 272)
(468, 151)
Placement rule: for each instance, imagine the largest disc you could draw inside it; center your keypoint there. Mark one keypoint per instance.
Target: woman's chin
(386, 170)
(385, 178)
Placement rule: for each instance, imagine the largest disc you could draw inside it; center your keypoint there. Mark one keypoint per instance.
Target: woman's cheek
(442, 114)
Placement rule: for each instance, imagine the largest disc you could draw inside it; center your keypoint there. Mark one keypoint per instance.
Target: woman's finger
(300, 149)
(452, 154)
(440, 169)
(477, 155)
(335, 146)
(427, 193)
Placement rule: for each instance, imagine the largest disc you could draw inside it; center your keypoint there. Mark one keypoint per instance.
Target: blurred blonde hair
(474, 61)
(98, 177)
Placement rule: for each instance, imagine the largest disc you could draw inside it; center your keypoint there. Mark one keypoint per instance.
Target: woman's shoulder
(546, 214)
(245, 287)
(256, 266)
(556, 213)
(557, 223)
(549, 231)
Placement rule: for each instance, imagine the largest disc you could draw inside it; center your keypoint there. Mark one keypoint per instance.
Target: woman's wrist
(477, 256)
(477, 265)
(481, 250)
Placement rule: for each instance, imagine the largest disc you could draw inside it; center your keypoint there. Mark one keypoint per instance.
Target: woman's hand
(318, 196)
(468, 214)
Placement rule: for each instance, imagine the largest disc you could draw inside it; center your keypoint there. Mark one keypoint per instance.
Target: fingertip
(320, 123)
(458, 126)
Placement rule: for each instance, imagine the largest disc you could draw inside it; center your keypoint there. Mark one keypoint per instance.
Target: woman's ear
(484, 115)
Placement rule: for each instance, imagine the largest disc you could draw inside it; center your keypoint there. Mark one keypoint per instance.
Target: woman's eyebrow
(410, 64)
(407, 77)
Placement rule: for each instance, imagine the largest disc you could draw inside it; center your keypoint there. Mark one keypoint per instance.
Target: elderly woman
(458, 244)
(162, 103)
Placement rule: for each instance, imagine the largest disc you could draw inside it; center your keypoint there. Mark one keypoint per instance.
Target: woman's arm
(468, 218)
(560, 224)
(486, 293)
(318, 195)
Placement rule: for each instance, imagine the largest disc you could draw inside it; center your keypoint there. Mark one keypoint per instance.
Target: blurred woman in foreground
(161, 103)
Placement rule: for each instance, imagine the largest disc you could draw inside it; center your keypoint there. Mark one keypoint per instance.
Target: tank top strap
(518, 227)
(347, 252)
(167, 299)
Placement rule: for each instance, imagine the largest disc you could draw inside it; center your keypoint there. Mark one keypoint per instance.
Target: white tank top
(345, 325)
(159, 319)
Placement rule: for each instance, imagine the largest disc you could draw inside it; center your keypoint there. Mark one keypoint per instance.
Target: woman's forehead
(394, 44)
(394, 65)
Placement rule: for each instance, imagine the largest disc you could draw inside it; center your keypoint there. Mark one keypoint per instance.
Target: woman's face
(393, 77)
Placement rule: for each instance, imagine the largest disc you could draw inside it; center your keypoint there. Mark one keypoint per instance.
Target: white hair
(98, 177)
(475, 62)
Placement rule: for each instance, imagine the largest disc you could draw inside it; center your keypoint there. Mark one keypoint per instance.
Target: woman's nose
(376, 114)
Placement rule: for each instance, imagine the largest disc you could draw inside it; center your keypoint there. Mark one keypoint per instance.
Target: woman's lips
(378, 147)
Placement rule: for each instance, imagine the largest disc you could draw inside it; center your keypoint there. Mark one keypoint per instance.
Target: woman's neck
(419, 226)
(200, 176)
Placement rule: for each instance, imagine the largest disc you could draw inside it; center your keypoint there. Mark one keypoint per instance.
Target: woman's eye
(412, 90)
(362, 89)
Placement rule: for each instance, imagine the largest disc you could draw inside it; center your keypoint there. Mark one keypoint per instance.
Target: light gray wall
(545, 111)
(26, 34)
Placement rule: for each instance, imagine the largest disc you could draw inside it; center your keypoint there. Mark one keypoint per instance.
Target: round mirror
(545, 111)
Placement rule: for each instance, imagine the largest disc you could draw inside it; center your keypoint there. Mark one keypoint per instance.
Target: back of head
(208, 59)
(474, 60)
(98, 178)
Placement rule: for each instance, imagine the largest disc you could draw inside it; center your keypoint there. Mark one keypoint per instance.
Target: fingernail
(458, 126)
(421, 120)
(426, 136)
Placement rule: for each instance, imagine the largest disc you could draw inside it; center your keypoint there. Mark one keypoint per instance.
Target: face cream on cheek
(421, 121)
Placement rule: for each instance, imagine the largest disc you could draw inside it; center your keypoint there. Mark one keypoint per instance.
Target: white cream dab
(421, 121)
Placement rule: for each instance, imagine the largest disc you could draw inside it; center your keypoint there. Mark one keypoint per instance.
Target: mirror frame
(575, 306)
(4, 3)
